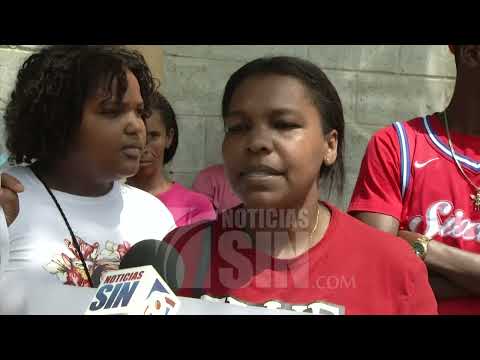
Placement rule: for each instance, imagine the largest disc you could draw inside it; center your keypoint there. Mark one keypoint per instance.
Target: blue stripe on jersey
(404, 156)
(444, 148)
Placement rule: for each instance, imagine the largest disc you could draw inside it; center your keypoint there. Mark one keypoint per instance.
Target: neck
(288, 233)
(153, 181)
(464, 111)
(72, 180)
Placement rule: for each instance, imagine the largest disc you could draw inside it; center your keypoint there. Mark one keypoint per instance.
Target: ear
(469, 55)
(170, 136)
(331, 144)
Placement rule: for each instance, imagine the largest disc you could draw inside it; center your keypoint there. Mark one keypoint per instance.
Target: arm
(10, 187)
(9, 209)
(443, 286)
(377, 199)
(382, 222)
(452, 271)
(444, 289)
(461, 268)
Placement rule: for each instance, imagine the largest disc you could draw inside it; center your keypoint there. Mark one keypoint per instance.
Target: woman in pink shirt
(186, 206)
(212, 183)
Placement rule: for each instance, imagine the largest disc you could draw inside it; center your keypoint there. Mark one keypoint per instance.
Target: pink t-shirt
(213, 183)
(187, 206)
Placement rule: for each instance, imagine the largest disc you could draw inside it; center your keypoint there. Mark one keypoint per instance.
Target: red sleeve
(378, 186)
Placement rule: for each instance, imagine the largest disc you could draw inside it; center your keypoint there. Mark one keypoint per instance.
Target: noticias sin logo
(159, 301)
(116, 291)
(137, 291)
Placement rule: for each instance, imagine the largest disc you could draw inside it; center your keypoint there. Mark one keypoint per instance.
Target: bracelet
(420, 246)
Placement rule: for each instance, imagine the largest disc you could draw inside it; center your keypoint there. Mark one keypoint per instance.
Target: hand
(409, 236)
(10, 187)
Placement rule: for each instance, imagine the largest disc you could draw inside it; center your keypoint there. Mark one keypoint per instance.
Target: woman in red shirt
(283, 248)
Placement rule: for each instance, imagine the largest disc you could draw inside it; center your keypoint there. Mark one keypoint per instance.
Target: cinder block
(235, 52)
(195, 86)
(356, 57)
(154, 57)
(10, 62)
(356, 140)
(2, 131)
(184, 178)
(191, 148)
(23, 47)
(345, 82)
(214, 134)
(433, 60)
(383, 99)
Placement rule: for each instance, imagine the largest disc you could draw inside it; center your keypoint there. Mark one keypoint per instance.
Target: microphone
(143, 284)
(164, 258)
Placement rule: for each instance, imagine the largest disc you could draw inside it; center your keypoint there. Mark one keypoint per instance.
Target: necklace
(475, 197)
(316, 224)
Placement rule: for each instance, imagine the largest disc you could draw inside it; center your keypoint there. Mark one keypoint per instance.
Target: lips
(145, 162)
(133, 151)
(260, 171)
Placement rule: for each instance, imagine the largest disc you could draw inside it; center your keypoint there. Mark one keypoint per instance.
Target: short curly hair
(45, 109)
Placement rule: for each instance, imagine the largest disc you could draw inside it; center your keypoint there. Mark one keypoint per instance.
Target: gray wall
(378, 84)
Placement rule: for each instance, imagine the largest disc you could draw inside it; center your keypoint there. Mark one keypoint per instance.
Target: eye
(111, 112)
(285, 125)
(236, 128)
(154, 135)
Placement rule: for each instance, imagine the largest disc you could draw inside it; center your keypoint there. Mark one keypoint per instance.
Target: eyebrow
(272, 112)
(111, 101)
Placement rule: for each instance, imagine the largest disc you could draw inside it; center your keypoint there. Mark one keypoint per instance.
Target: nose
(136, 126)
(259, 141)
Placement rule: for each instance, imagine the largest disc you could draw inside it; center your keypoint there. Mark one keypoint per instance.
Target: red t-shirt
(408, 173)
(354, 269)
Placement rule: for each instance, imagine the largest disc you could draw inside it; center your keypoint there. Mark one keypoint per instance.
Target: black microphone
(164, 258)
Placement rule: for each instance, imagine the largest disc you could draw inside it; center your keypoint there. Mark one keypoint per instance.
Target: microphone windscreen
(163, 257)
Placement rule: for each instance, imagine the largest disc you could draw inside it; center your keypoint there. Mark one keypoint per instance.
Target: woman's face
(158, 140)
(112, 134)
(274, 145)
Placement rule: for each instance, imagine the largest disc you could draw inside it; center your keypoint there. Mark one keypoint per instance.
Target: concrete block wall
(378, 84)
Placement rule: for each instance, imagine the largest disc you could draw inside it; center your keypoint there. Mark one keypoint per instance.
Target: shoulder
(390, 263)
(191, 197)
(23, 174)
(206, 229)
(144, 200)
(212, 172)
(392, 131)
(133, 194)
(143, 210)
(378, 246)
(32, 186)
